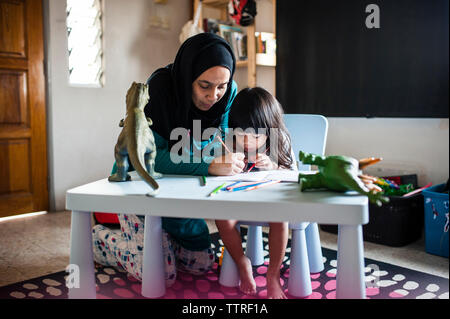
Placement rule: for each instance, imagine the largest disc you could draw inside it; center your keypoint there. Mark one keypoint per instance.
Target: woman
(198, 86)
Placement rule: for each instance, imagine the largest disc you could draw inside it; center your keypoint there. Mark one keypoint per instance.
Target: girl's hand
(264, 162)
(228, 164)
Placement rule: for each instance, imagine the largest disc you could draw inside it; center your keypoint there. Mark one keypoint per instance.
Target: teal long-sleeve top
(192, 234)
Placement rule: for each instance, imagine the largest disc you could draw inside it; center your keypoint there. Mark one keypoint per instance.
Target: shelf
(241, 64)
(260, 61)
(266, 59)
(216, 3)
(253, 60)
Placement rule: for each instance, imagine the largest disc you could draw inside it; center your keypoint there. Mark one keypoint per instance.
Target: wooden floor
(39, 245)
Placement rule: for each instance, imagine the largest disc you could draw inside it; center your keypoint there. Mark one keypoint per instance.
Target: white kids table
(183, 196)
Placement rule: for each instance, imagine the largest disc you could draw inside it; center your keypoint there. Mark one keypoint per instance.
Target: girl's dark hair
(256, 108)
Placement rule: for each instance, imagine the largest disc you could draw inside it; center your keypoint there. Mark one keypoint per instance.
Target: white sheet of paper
(283, 175)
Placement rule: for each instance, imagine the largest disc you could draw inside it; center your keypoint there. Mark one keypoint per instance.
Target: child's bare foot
(248, 284)
(274, 289)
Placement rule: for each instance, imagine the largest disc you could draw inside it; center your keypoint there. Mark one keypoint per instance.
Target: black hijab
(170, 88)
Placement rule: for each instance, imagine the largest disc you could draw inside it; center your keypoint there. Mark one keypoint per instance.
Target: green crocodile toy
(339, 173)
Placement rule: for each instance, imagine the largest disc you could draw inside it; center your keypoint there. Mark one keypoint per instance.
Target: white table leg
(153, 276)
(299, 284)
(82, 257)
(350, 263)
(254, 249)
(314, 248)
(229, 273)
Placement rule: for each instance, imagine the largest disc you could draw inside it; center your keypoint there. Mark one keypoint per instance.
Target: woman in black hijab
(197, 86)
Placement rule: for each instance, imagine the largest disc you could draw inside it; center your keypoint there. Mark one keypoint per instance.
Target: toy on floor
(136, 142)
(341, 173)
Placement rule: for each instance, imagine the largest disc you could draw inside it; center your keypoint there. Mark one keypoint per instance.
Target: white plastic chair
(308, 133)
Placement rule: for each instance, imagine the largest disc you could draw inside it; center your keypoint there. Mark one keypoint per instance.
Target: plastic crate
(436, 220)
(397, 223)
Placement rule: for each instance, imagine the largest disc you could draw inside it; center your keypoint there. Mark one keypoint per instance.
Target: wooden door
(23, 141)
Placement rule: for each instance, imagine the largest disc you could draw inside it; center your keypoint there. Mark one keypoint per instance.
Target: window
(84, 35)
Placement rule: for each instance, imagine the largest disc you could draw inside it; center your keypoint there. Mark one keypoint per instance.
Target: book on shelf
(266, 47)
(236, 36)
(265, 43)
(237, 39)
(212, 25)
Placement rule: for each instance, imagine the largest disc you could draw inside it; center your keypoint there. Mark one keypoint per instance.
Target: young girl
(253, 111)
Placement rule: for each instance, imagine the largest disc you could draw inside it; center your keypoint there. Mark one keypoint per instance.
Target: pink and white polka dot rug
(383, 281)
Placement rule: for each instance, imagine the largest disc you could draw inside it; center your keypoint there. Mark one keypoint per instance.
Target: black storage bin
(397, 223)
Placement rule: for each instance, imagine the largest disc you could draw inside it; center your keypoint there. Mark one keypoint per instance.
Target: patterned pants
(123, 249)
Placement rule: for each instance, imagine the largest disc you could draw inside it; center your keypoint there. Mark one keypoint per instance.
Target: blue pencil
(226, 187)
(247, 186)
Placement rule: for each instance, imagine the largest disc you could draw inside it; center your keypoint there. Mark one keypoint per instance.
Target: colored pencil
(244, 187)
(261, 185)
(251, 167)
(204, 180)
(231, 185)
(254, 164)
(245, 184)
(221, 141)
(417, 190)
(217, 189)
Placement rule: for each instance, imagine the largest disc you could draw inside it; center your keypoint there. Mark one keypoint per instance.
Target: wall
(407, 146)
(83, 122)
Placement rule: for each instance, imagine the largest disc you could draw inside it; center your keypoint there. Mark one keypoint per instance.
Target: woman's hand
(228, 164)
(262, 161)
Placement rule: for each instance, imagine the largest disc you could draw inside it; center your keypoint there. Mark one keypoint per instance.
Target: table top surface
(184, 196)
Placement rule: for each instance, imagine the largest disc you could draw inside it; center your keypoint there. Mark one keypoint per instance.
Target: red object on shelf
(106, 218)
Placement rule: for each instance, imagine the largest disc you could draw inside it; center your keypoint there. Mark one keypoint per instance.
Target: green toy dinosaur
(136, 142)
(340, 173)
